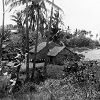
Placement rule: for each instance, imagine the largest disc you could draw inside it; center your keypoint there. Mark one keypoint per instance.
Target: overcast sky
(81, 14)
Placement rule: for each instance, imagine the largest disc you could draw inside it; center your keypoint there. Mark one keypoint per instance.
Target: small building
(58, 54)
(41, 50)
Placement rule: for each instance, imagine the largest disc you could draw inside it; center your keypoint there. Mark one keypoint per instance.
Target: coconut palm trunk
(35, 53)
(27, 41)
(48, 36)
(2, 31)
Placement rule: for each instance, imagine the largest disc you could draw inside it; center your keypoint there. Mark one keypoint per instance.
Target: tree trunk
(1, 41)
(35, 53)
(48, 36)
(27, 41)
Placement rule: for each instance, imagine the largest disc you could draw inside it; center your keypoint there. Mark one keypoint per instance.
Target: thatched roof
(42, 46)
(39, 47)
(55, 50)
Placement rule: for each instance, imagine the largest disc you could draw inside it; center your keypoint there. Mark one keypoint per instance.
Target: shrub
(4, 84)
(55, 71)
(80, 41)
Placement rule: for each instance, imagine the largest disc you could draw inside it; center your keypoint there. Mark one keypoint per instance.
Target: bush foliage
(81, 42)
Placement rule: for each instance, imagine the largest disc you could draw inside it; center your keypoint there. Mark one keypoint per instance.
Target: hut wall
(41, 53)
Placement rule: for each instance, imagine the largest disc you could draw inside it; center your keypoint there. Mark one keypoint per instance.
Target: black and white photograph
(49, 49)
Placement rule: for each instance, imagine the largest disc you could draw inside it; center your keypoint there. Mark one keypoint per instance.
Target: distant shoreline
(82, 49)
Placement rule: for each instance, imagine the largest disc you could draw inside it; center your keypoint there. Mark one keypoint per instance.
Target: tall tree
(33, 70)
(31, 13)
(18, 18)
(48, 37)
(18, 2)
(38, 5)
(27, 41)
(14, 3)
(55, 29)
(2, 31)
(49, 31)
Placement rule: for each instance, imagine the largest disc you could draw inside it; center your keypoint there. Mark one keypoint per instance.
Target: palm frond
(13, 16)
(14, 20)
(43, 6)
(14, 4)
(49, 2)
(9, 1)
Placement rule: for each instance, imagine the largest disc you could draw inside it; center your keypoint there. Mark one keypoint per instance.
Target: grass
(55, 71)
(59, 90)
(59, 87)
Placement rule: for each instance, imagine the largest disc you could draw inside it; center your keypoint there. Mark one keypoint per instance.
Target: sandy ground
(92, 54)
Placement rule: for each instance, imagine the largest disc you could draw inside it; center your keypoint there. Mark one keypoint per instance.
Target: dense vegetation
(79, 39)
(70, 79)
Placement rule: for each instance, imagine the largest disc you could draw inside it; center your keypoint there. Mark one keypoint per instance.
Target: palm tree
(34, 14)
(27, 41)
(48, 37)
(2, 31)
(18, 18)
(33, 70)
(56, 35)
(38, 5)
(36, 2)
(55, 30)
(14, 3)
(38, 9)
(31, 12)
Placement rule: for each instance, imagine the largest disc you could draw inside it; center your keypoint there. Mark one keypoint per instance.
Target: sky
(80, 14)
